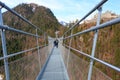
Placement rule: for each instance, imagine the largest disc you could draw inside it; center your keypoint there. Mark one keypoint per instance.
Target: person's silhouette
(56, 43)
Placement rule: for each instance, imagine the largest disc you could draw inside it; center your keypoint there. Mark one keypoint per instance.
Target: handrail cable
(16, 30)
(96, 59)
(106, 24)
(95, 30)
(21, 52)
(18, 15)
(90, 12)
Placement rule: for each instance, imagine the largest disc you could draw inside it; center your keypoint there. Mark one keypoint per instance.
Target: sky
(69, 10)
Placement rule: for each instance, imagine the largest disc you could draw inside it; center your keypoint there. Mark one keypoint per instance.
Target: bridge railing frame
(3, 28)
(95, 30)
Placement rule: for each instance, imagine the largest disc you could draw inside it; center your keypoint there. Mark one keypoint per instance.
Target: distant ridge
(63, 23)
(108, 15)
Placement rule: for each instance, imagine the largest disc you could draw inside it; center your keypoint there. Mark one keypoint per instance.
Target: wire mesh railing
(23, 53)
(91, 72)
(78, 67)
(27, 67)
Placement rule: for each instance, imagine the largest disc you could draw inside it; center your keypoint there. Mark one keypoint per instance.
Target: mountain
(63, 23)
(40, 16)
(106, 16)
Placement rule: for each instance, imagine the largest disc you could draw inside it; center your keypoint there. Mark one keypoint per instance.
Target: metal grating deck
(55, 68)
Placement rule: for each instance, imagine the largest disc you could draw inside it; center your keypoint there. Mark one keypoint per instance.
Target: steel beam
(3, 39)
(94, 44)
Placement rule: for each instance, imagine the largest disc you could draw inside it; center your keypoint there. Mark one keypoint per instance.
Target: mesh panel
(78, 68)
(27, 67)
(98, 75)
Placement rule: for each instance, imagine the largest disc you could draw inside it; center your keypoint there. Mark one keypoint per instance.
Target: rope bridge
(44, 61)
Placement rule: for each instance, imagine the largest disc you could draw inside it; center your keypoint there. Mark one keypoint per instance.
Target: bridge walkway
(55, 68)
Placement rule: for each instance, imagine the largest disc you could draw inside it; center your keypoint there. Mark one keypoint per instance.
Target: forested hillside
(108, 43)
(40, 16)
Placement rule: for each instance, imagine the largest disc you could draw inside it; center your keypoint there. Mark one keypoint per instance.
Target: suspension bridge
(47, 62)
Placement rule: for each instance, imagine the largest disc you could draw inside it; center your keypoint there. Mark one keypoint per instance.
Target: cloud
(52, 4)
(73, 10)
(66, 10)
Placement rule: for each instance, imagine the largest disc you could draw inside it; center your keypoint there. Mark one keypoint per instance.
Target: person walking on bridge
(56, 43)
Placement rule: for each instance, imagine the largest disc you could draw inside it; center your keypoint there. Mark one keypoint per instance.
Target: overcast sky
(69, 10)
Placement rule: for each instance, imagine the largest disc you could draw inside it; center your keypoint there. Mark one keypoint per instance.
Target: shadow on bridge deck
(55, 67)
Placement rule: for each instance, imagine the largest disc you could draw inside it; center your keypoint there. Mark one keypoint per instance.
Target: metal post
(94, 44)
(38, 48)
(4, 48)
(63, 40)
(69, 49)
(45, 38)
(46, 54)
